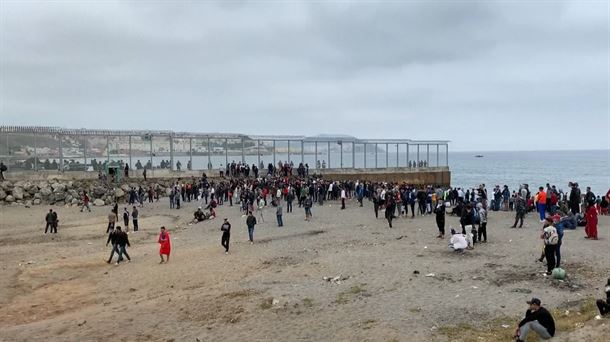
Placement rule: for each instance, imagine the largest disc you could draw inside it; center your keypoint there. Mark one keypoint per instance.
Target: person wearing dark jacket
(467, 218)
(251, 222)
(112, 239)
(226, 235)
(440, 219)
(49, 220)
(122, 240)
(537, 319)
(604, 305)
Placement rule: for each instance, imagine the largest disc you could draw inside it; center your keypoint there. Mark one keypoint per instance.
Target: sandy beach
(399, 284)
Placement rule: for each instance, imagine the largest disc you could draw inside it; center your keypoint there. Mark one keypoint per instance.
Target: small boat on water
(479, 156)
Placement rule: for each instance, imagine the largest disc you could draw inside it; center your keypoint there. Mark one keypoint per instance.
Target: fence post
(427, 155)
(35, 152)
(316, 153)
(191, 152)
(209, 155)
(341, 154)
(226, 152)
(130, 162)
(85, 150)
(61, 155)
(171, 152)
(387, 155)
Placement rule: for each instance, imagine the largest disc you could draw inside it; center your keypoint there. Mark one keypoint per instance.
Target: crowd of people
(252, 192)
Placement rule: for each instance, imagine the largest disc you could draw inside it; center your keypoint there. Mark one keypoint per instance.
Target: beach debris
(475, 287)
(521, 290)
(400, 237)
(337, 280)
(477, 278)
(132, 289)
(275, 301)
(425, 247)
(567, 312)
(416, 272)
(90, 243)
(598, 317)
(31, 262)
(430, 275)
(82, 323)
(457, 295)
(505, 326)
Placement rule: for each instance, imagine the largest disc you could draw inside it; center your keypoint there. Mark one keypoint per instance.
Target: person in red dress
(165, 246)
(591, 227)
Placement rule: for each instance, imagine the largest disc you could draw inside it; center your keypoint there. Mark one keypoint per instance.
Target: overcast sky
(505, 75)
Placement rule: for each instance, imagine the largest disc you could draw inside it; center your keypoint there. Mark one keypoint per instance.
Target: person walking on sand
(226, 235)
(261, 206)
(86, 201)
(440, 219)
(112, 239)
(122, 241)
(278, 214)
(482, 233)
(164, 245)
(126, 219)
(307, 204)
(343, 196)
(250, 223)
(591, 218)
(54, 222)
(134, 217)
(519, 210)
(537, 319)
(541, 203)
(49, 220)
(551, 238)
(111, 221)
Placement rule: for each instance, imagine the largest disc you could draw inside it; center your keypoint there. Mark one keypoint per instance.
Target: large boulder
(46, 192)
(58, 187)
(9, 199)
(98, 202)
(37, 201)
(69, 198)
(74, 201)
(6, 185)
(119, 193)
(98, 192)
(59, 196)
(2, 194)
(37, 195)
(125, 187)
(18, 193)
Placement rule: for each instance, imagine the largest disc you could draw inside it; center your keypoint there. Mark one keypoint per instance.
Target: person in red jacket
(591, 227)
(164, 243)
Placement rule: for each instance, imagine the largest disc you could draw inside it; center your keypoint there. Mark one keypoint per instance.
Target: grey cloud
(394, 69)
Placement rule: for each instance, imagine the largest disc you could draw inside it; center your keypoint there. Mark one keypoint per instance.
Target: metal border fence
(34, 148)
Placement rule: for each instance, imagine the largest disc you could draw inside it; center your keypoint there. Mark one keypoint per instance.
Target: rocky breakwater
(62, 193)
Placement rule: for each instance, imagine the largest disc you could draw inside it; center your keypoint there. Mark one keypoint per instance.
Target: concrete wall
(423, 176)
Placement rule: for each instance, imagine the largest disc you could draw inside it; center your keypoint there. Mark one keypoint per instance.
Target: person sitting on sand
(458, 241)
(604, 305)
(198, 216)
(537, 319)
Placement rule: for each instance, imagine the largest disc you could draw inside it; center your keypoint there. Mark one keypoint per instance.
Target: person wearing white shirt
(458, 241)
(343, 196)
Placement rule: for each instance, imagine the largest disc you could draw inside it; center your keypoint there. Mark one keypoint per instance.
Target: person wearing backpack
(550, 238)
